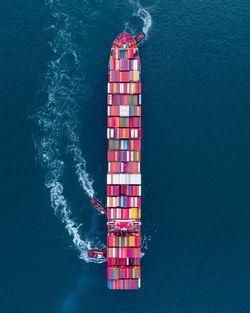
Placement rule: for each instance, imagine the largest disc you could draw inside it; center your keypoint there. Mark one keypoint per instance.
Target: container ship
(124, 135)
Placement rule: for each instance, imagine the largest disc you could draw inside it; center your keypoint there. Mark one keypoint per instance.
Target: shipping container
(124, 167)
(124, 261)
(121, 252)
(123, 272)
(124, 179)
(133, 240)
(119, 99)
(124, 213)
(124, 133)
(123, 202)
(124, 284)
(125, 155)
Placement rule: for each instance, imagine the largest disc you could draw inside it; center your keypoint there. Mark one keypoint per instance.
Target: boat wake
(144, 14)
(57, 120)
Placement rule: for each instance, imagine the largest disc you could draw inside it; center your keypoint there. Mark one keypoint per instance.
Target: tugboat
(139, 37)
(99, 206)
(97, 254)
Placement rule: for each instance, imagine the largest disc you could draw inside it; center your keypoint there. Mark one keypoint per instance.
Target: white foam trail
(145, 242)
(62, 209)
(144, 14)
(47, 152)
(58, 122)
(80, 163)
(146, 17)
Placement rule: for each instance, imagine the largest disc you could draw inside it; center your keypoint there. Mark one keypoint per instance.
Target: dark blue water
(196, 151)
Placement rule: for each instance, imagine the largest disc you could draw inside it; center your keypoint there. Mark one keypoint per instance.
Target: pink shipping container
(123, 201)
(123, 272)
(124, 88)
(123, 252)
(124, 261)
(124, 213)
(124, 133)
(124, 167)
(124, 155)
(123, 99)
(116, 110)
(133, 240)
(131, 190)
(124, 284)
(113, 190)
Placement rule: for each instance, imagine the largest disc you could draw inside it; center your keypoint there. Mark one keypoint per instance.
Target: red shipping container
(117, 99)
(135, 122)
(113, 155)
(135, 145)
(133, 167)
(130, 190)
(124, 261)
(113, 190)
(124, 76)
(124, 133)
(114, 167)
(131, 52)
(113, 121)
(113, 110)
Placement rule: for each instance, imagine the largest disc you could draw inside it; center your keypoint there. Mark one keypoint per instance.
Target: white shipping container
(109, 99)
(124, 110)
(116, 53)
(134, 133)
(110, 133)
(139, 192)
(132, 88)
(109, 179)
(124, 179)
(135, 65)
(121, 88)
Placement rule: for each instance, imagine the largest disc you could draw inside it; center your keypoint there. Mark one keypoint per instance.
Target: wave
(58, 123)
(80, 163)
(62, 209)
(144, 14)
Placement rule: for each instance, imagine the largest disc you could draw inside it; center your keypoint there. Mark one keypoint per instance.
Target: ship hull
(124, 161)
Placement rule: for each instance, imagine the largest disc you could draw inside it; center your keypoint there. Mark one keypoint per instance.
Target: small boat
(139, 37)
(99, 206)
(97, 254)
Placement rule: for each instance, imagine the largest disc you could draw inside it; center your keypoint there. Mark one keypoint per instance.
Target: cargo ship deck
(124, 171)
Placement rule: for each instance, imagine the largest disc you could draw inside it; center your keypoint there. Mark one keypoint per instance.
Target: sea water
(195, 75)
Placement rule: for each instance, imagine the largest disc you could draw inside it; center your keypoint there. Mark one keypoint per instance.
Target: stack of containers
(124, 156)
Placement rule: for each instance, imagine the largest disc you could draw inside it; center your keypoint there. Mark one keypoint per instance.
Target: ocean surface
(196, 151)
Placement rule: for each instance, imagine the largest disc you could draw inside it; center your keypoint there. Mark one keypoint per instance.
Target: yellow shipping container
(133, 213)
